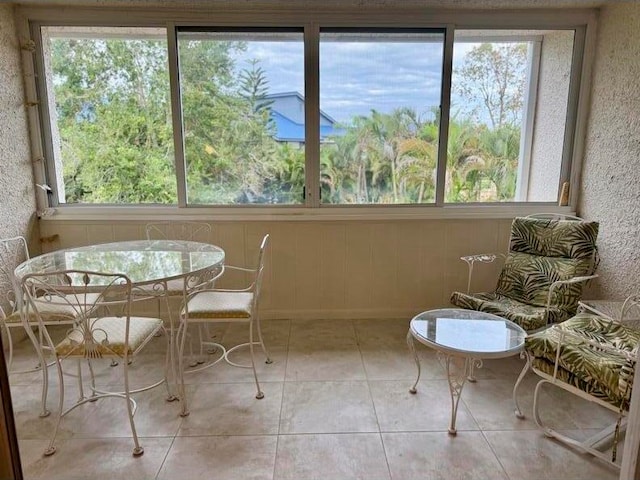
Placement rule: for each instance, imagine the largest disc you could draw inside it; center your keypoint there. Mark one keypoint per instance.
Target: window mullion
(445, 106)
(176, 114)
(312, 114)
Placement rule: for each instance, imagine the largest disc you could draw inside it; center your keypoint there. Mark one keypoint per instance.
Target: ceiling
(188, 4)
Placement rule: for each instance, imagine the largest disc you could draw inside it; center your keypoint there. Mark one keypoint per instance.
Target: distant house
(287, 112)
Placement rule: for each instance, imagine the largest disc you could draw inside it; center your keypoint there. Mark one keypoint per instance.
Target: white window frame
(582, 21)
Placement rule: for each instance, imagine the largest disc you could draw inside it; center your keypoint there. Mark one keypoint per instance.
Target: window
(109, 115)
(310, 114)
(243, 115)
(509, 94)
(380, 93)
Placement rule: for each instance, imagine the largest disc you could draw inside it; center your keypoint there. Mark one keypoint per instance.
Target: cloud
(356, 76)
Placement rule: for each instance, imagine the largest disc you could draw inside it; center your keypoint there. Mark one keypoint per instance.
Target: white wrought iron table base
(459, 370)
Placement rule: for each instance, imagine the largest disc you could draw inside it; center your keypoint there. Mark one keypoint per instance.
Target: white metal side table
(462, 339)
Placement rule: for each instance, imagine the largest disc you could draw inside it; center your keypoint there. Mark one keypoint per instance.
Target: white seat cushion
(109, 335)
(220, 305)
(58, 310)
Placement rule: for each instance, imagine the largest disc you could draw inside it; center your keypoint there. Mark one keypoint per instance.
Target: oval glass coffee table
(462, 339)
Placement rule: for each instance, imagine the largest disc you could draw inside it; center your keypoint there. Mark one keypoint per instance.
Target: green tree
(492, 79)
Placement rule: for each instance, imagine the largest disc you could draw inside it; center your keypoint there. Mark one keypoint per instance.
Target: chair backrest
(260, 268)
(542, 251)
(13, 251)
(192, 231)
(87, 297)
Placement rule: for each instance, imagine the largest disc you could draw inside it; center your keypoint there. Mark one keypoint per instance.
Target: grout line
(166, 455)
(286, 366)
(373, 403)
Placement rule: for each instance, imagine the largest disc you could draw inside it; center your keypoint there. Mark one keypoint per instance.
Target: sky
(356, 77)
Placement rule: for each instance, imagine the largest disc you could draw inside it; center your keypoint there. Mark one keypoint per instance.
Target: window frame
(582, 21)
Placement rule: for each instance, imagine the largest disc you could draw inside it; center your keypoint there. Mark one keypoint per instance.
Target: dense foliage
(114, 122)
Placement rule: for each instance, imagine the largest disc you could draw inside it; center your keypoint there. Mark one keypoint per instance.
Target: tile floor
(336, 406)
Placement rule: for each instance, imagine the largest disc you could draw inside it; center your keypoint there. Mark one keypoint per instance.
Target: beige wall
(611, 174)
(551, 114)
(17, 203)
(339, 269)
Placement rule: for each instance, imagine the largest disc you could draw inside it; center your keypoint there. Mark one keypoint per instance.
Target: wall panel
(338, 269)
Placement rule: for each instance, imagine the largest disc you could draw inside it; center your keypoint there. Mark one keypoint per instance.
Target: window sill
(291, 214)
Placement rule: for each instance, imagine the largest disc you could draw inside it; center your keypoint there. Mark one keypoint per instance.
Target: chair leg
(524, 371)
(264, 348)
(51, 449)
(10, 341)
(137, 450)
(260, 394)
(182, 335)
(93, 381)
(584, 446)
(45, 373)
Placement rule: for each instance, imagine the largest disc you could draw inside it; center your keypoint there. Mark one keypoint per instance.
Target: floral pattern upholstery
(604, 372)
(541, 252)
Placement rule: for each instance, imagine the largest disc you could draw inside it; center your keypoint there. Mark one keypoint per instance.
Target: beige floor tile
(322, 333)
(529, 455)
(331, 456)
(313, 363)
(428, 410)
(397, 363)
(94, 458)
(377, 333)
(490, 401)
(232, 409)
(584, 414)
(327, 407)
(222, 458)
(439, 456)
(222, 372)
(275, 333)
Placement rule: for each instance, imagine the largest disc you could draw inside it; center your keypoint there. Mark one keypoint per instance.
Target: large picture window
(243, 115)
(380, 94)
(109, 115)
(308, 115)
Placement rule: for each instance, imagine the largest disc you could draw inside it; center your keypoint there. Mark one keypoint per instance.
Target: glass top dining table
(143, 261)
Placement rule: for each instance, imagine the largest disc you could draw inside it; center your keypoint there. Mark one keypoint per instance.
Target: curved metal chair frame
(218, 314)
(103, 328)
(610, 435)
(14, 251)
(191, 231)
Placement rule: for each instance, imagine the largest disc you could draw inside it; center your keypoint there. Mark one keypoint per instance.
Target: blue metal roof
(290, 131)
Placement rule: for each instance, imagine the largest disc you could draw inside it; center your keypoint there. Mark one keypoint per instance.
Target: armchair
(593, 357)
(545, 269)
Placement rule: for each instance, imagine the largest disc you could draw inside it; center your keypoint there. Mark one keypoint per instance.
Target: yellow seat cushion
(214, 305)
(109, 336)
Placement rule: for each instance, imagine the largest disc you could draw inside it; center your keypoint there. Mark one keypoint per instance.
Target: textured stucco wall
(611, 175)
(17, 199)
(551, 113)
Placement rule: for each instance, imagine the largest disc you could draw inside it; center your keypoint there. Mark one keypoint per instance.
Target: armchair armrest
(560, 283)
(470, 260)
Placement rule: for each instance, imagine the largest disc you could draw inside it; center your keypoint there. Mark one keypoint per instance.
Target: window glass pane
(508, 112)
(379, 122)
(243, 115)
(110, 115)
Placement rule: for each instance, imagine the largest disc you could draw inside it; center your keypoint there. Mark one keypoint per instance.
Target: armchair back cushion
(542, 252)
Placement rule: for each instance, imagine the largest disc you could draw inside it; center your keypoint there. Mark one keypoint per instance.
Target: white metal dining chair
(103, 328)
(217, 305)
(189, 231)
(14, 251)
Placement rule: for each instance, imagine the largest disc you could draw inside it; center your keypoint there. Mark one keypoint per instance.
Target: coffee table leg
(412, 348)
(458, 370)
